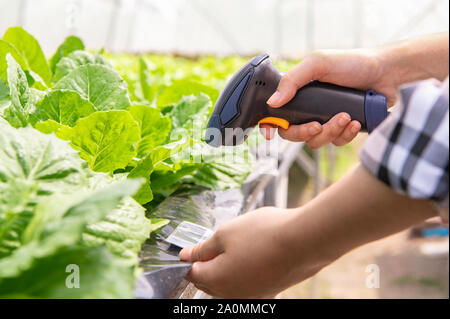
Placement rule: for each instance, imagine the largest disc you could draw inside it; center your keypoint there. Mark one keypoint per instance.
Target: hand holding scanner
(242, 104)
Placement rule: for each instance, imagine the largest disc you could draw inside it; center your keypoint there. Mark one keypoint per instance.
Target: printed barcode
(188, 234)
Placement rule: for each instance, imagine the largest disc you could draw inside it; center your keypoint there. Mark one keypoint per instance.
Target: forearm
(356, 210)
(265, 251)
(416, 59)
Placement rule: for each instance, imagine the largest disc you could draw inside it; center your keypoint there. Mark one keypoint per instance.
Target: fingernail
(354, 128)
(343, 121)
(274, 99)
(314, 129)
(185, 254)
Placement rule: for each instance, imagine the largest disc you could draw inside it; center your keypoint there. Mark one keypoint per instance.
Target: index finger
(206, 273)
(297, 77)
(204, 251)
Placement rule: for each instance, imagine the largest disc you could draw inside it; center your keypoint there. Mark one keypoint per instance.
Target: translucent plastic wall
(285, 27)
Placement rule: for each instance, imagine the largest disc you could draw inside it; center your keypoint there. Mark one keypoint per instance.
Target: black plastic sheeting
(163, 271)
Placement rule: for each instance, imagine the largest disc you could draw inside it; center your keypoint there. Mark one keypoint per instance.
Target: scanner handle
(318, 101)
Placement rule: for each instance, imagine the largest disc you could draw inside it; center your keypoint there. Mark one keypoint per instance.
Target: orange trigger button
(275, 121)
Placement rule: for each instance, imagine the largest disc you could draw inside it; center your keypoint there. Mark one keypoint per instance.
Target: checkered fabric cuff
(409, 150)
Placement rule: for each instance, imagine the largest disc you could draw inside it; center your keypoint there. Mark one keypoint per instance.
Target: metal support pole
(278, 32)
(22, 11)
(281, 193)
(317, 177)
(289, 151)
(73, 9)
(310, 23)
(358, 26)
(331, 159)
(308, 165)
(130, 36)
(317, 187)
(111, 35)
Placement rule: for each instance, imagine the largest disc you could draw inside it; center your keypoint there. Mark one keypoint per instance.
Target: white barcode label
(188, 234)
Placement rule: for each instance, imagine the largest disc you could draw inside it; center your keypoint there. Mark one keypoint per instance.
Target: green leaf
(29, 155)
(35, 81)
(17, 113)
(145, 167)
(123, 230)
(53, 240)
(227, 170)
(153, 125)
(189, 109)
(62, 106)
(70, 44)
(63, 218)
(34, 97)
(61, 131)
(100, 85)
(4, 96)
(149, 86)
(173, 93)
(54, 233)
(106, 140)
(16, 211)
(23, 98)
(32, 166)
(30, 49)
(221, 175)
(157, 223)
(76, 59)
(166, 182)
(6, 48)
(100, 276)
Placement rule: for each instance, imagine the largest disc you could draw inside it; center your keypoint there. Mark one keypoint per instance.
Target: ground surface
(404, 272)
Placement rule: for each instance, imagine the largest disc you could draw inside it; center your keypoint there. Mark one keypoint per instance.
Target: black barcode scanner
(242, 104)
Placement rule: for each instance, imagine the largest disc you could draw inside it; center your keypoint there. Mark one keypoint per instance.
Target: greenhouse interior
(116, 158)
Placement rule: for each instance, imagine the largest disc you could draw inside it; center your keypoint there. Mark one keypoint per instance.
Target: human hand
(263, 252)
(361, 69)
(248, 257)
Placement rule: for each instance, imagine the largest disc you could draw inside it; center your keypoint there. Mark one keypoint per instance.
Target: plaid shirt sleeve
(409, 150)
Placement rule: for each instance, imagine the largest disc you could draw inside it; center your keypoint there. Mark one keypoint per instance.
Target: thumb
(203, 251)
(204, 273)
(294, 79)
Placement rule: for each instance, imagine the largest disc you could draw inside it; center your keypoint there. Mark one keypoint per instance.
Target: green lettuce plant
(87, 140)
